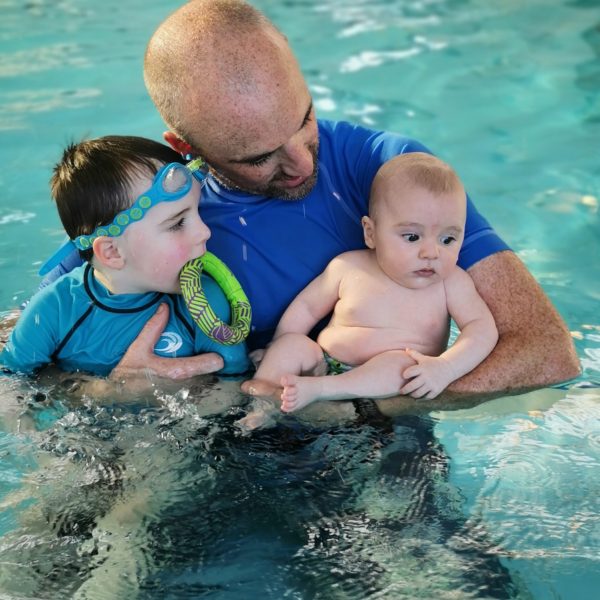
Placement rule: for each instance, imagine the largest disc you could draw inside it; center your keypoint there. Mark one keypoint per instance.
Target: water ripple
(371, 58)
(541, 476)
(17, 216)
(16, 107)
(44, 58)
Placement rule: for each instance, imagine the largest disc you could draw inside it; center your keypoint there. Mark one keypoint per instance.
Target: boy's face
(169, 235)
(416, 234)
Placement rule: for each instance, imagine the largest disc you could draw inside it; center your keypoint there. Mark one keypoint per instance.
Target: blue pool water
(160, 496)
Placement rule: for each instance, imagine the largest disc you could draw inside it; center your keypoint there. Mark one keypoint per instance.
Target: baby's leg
(290, 353)
(379, 377)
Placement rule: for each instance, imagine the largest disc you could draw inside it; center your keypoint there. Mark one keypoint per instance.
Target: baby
(391, 302)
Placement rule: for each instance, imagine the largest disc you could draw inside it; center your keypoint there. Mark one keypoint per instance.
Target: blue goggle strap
(67, 252)
(157, 193)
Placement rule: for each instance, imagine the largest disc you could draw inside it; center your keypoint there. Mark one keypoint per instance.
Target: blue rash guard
(276, 247)
(77, 324)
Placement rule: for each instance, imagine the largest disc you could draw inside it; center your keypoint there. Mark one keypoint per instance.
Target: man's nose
(298, 157)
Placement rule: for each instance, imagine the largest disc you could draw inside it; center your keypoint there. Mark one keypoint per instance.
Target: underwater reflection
(163, 496)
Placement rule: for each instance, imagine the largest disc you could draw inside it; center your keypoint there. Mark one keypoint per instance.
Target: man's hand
(141, 360)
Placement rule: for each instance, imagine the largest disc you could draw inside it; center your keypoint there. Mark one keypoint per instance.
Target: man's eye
(410, 237)
(448, 239)
(259, 161)
(307, 118)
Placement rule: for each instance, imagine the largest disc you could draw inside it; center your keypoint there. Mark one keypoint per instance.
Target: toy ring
(202, 313)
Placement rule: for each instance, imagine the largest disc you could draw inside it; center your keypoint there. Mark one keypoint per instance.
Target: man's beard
(273, 189)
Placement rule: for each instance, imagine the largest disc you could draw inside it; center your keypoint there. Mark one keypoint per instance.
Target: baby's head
(416, 222)
(406, 172)
(126, 202)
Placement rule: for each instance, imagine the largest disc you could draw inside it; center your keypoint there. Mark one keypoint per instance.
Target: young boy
(131, 207)
(391, 302)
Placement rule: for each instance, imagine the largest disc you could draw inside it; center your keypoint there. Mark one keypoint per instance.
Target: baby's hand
(430, 376)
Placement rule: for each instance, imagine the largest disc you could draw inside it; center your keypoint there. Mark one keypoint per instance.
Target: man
(287, 192)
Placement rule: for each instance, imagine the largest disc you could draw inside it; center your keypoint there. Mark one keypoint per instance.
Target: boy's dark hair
(92, 182)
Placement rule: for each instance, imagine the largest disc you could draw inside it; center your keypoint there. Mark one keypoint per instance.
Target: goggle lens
(176, 180)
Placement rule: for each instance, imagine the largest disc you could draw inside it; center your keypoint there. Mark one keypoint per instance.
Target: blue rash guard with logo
(77, 324)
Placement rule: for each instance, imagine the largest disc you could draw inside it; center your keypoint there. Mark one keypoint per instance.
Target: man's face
(278, 160)
(260, 136)
(274, 169)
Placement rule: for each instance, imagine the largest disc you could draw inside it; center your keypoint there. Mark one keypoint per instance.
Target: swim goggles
(172, 182)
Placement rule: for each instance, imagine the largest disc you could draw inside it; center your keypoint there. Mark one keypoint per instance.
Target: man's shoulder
(354, 152)
(338, 131)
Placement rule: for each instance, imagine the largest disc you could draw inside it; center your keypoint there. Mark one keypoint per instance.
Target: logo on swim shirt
(169, 343)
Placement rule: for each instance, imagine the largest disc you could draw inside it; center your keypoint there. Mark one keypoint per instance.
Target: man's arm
(534, 348)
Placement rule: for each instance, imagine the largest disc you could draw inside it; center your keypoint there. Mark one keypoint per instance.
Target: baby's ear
(107, 253)
(368, 232)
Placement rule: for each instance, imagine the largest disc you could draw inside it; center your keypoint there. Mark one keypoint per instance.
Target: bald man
(286, 191)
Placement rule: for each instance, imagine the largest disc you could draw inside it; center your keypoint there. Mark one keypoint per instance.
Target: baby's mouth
(425, 272)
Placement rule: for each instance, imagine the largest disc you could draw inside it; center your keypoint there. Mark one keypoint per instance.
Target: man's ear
(177, 143)
(368, 232)
(107, 253)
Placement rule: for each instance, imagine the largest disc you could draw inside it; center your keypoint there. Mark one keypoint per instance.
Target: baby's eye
(448, 239)
(411, 237)
(178, 225)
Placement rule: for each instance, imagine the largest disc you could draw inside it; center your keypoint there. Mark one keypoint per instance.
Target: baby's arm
(478, 336)
(291, 351)
(314, 302)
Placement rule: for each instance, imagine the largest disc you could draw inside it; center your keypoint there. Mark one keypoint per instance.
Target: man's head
(416, 222)
(229, 87)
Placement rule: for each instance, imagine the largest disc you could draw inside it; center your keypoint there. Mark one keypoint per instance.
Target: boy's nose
(203, 234)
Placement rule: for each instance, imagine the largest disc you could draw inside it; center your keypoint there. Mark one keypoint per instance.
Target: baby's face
(169, 235)
(417, 235)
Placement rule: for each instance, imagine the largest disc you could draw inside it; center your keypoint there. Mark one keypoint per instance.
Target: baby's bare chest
(367, 301)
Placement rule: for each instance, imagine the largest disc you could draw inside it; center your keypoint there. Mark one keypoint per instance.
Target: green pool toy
(202, 313)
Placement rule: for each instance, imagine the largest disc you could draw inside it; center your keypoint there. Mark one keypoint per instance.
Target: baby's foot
(259, 387)
(262, 415)
(298, 392)
(254, 420)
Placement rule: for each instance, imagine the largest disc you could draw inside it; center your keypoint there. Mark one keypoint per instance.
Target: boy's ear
(177, 143)
(107, 253)
(368, 232)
